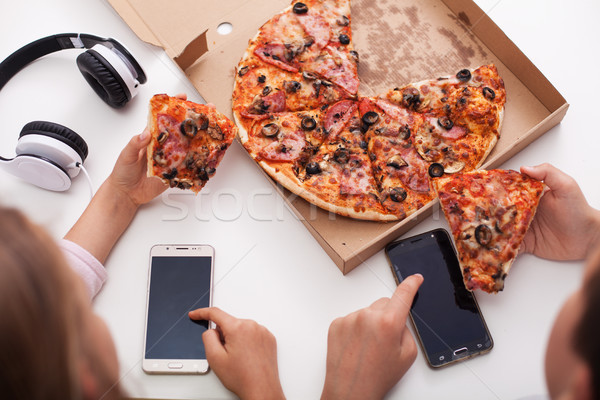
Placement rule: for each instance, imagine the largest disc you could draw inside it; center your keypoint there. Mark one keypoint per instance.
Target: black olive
(262, 79)
(354, 55)
(342, 21)
(370, 118)
(266, 90)
(463, 75)
(189, 128)
(270, 130)
(344, 39)
(461, 101)
(411, 98)
(242, 71)
(308, 123)
(341, 155)
(326, 83)
(313, 168)
(398, 194)
(300, 8)
(171, 174)
(445, 122)
(363, 145)
(489, 93)
(436, 170)
(483, 235)
(202, 174)
(404, 132)
(162, 137)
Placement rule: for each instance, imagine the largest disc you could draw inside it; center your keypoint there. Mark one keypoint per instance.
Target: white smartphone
(180, 279)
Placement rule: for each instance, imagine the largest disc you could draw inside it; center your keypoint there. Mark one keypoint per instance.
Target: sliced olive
(343, 21)
(489, 93)
(344, 39)
(266, 90)
(404, 132)
(411, 98)
(398, 194)
(313, 168)
(215, 132)
(292, 86)
(363, 145)
(262, 79)
(483, 235)
(341, 155)
(370, 117)
(270, 130)
(300, 8)
(396, 162)
(202, 174)
(171, 174)
(308, 123)
(189, 128)
(436, 170)
(309, 76)
(184, 184)
(162, 137)
(242, 71)
(445, 122)
(463, 75)
(159, 158)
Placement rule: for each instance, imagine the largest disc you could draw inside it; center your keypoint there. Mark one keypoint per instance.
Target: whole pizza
(301, 117)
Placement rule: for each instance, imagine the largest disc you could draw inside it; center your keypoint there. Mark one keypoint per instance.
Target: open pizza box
(398, 42)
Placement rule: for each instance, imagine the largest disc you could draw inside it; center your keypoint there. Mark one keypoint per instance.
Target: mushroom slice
(453, 166)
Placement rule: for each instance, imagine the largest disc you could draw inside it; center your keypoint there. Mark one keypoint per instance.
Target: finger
(214, 314)
(181, 96)
(556, 179)
(409, 348)
(405, 293)
(213, 345)
(380, 303)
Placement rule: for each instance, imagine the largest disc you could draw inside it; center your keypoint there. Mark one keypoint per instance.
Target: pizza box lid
(398, 43)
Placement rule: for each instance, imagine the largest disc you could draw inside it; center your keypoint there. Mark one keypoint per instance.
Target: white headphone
(50, 154)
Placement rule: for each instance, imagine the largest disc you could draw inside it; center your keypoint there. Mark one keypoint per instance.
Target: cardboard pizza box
(398, 43)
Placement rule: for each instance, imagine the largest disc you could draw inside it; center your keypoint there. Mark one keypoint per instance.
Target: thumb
(215, 351)
(131, 153)
(556, 179)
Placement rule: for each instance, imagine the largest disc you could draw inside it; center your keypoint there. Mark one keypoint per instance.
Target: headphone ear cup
(58, 132)
(103, 78)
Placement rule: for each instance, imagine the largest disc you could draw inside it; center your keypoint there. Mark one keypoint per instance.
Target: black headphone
(49, 154)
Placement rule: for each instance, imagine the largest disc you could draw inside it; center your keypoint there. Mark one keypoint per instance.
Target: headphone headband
(50, 44)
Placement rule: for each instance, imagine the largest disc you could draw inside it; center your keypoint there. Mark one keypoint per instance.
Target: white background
(268, 267)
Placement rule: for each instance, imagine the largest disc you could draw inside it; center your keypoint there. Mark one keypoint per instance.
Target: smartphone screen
(445, 314)
(180, 280)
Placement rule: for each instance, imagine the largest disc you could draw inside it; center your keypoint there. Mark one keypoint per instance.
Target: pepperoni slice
(414, 176)
(274, 54)
(285, 150)
(338, 115)
(275, 102)
(338, 68)
(455, 133)
(317, 27)
(394, 111)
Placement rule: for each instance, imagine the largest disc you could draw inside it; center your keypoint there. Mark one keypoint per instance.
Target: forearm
(103, 221)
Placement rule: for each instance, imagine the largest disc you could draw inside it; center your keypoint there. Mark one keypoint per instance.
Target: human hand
(129, 173)
(565, 225)
(369, 350)
(242, 353)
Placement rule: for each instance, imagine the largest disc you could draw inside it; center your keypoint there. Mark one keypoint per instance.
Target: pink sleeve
(85, 265)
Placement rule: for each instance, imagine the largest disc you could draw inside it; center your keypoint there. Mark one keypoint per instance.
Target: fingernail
(143, 135)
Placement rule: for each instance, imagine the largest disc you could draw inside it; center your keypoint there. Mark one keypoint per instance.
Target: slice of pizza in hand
(489, 213)
(188, 141)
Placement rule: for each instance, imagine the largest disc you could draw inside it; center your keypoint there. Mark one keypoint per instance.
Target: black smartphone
(180, 280)
(446, 316)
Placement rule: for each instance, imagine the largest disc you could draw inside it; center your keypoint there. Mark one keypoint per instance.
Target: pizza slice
(188, 141)
(489, 213)
(339, 177)
(402, 175)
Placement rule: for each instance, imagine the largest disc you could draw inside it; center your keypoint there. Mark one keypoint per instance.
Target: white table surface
(268, 266)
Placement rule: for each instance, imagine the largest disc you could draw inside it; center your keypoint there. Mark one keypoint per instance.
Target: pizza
(188, 141)
(302, 119)
(489, 213)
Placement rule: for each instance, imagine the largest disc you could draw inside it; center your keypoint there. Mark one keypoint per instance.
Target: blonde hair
(41, 346)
